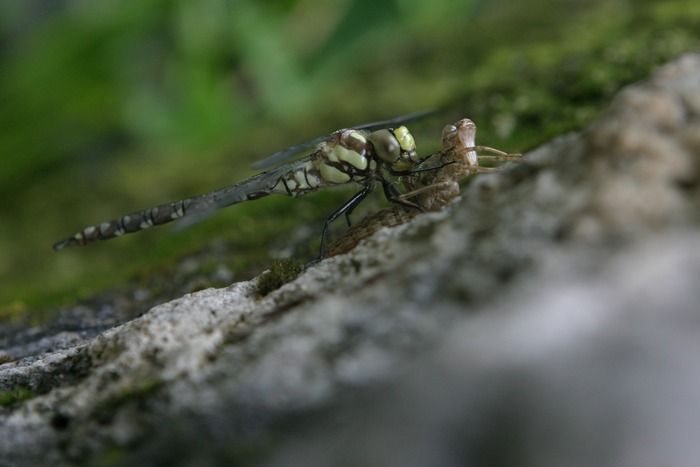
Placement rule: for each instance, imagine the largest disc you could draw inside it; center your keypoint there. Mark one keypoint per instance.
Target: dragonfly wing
(286, 154)
(204, 206)
(393, 122)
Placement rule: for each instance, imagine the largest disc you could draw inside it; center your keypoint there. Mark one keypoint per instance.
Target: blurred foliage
(112, 106)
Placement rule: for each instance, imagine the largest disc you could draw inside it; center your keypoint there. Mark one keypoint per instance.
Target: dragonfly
(430, 189)
(365, 155)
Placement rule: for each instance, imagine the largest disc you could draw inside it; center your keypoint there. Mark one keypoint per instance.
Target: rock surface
(551, 316)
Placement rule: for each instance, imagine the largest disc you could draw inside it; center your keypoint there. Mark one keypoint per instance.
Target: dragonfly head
(396, 147)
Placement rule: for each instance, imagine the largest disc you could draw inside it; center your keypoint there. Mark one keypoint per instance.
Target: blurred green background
(108, 107)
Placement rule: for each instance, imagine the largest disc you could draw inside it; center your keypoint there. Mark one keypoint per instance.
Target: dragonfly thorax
(345, 159)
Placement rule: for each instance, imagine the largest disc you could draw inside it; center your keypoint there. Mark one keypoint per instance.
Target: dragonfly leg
(417, 191)
(395, 196)
(428, 169)
(403, 173)
(345, 208)
(502, 155)
(353, 206)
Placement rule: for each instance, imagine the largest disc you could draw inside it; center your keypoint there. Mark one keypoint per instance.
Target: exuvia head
(396, 147)
(464, 131)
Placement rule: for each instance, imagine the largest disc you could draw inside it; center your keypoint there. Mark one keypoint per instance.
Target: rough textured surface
(549, 317)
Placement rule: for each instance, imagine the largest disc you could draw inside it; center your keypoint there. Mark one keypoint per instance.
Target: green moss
(15, 395)
(137, 393)
(13, 312)
(111, 457)
(6, 358)
(141, 390)
(281, 272)
(523, 96)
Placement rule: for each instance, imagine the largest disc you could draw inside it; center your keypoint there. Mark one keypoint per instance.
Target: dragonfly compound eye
(395, 146)
(386, 145)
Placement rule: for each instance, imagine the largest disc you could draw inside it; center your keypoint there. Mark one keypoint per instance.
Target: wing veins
(203, 206)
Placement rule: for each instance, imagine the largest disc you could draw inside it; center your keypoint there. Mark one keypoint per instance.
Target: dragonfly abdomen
(298, 182)
(128, 223)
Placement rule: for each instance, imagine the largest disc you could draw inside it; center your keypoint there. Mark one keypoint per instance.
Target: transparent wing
(286, 154)
(391, 123)
(203, 206)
